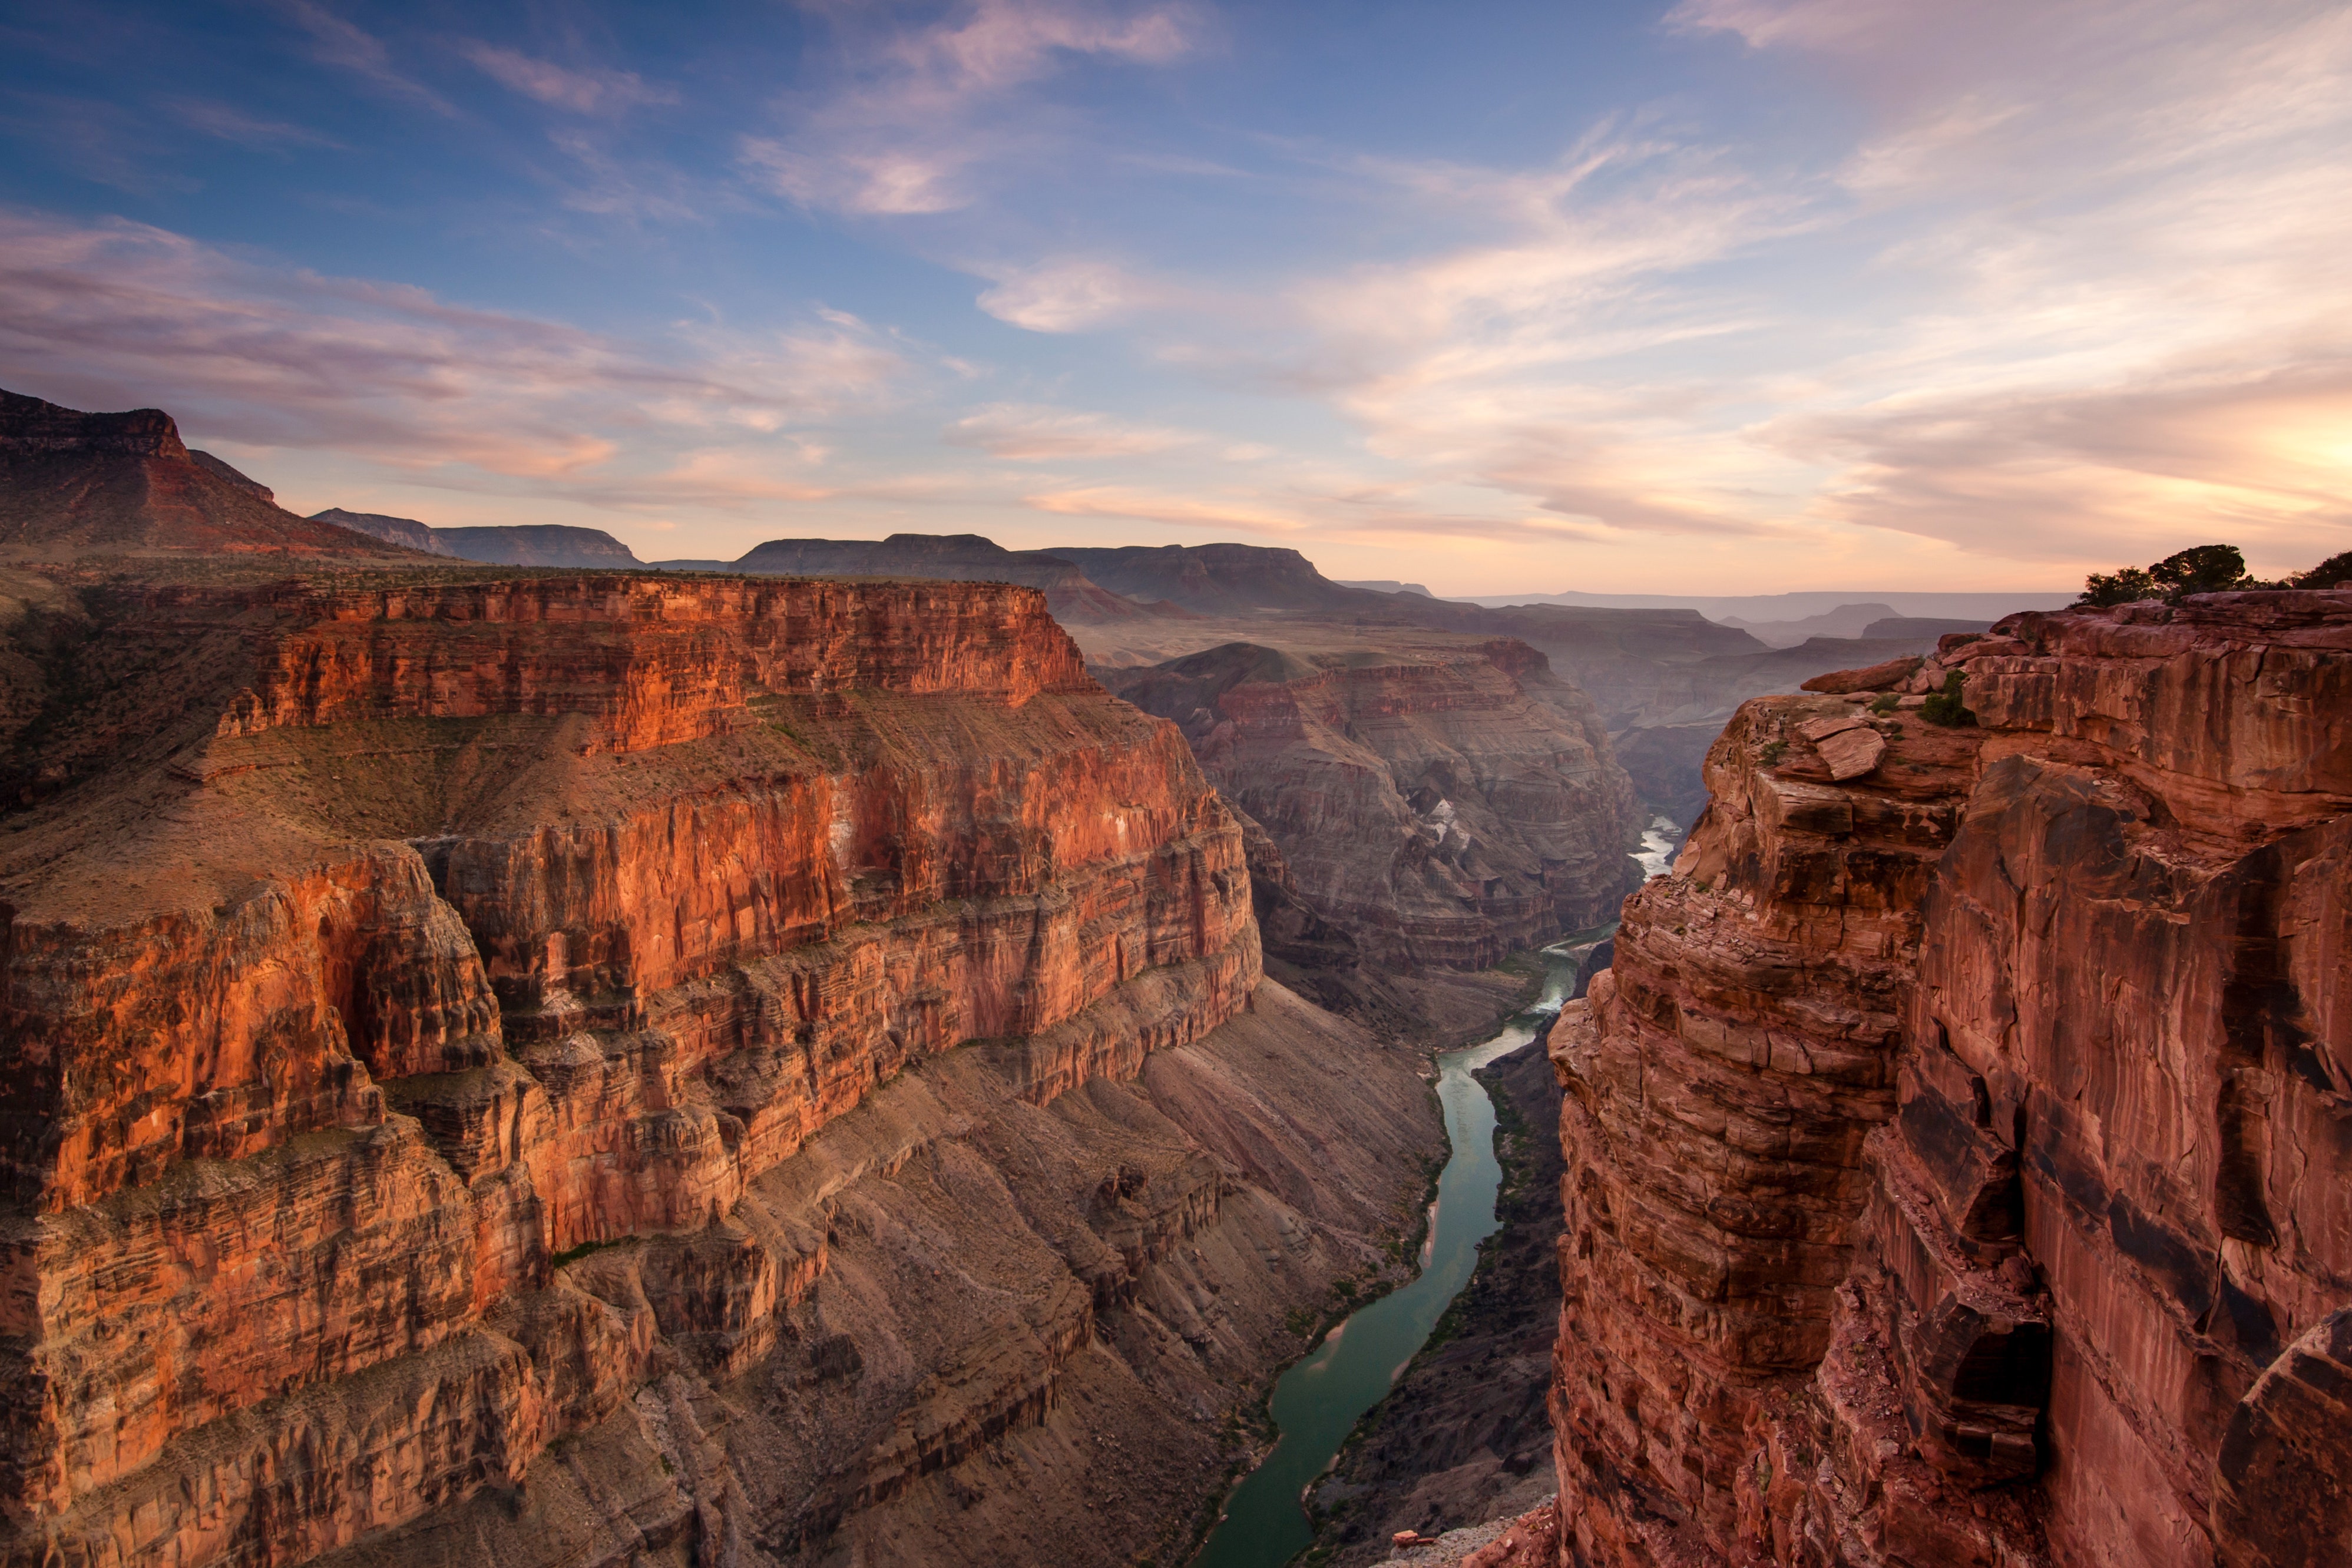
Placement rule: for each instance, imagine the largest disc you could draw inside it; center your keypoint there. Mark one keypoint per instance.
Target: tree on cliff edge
(2204, 569)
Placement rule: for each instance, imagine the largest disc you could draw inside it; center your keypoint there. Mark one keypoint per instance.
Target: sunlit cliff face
(1734, 294)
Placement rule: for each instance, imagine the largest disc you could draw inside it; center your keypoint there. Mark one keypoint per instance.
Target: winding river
(1319, 1400)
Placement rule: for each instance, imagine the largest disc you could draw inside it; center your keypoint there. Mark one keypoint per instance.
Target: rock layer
(1957, 1150)
(1443, 801)
(391, 944)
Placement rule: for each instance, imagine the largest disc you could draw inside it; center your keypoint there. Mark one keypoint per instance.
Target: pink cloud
(116, 314)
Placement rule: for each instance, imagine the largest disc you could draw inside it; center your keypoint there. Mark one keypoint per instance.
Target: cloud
(582, 91)
(2125, 473)
(2050, 300)
(920, 110)
(113, 314)
(347, 47)
(1068, 295)
(1158, 506)
(230, 123)
(1027, 433)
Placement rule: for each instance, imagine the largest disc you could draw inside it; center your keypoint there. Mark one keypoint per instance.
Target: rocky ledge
(1960, 1149)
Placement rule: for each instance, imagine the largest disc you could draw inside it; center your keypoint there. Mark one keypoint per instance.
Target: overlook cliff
(559, 1069)
(1957, 1150)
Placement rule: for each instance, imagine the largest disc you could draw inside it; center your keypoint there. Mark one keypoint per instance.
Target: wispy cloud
(1028, 433)
(921, 111)
(582, 90)
(230, 123)
(1069, 294)
(1986, 325)
(1240, 515)
(337, 42)
(114, 314)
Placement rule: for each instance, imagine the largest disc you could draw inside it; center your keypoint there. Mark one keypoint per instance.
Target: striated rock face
(1957, 1150)
(1445, 803)
(395, 951)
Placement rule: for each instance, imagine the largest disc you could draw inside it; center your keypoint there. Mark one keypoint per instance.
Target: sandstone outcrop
(1442, 801)
(468, 1046)
(1957, 1149)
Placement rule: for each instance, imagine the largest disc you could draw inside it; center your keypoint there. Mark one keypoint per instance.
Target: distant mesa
(1225, 579)
(520, 544)
(75, 486)
(1385, 585)
(1922, 626)
(538, 545)
(1845, 621)
(401, 531)
(953, 557)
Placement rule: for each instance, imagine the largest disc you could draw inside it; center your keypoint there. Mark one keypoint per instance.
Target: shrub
(2206, 569)
(2335, 572)
(1944, 707)
(2124, 585)
(2202, 569)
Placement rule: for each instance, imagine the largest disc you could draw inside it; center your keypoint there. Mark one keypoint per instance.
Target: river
(1319, 1400)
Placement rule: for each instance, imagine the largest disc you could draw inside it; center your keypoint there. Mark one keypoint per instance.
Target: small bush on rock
(1944, 707)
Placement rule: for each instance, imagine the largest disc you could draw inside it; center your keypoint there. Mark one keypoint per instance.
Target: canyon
(841, 1057)
(1956, 1147)
(621, 1067)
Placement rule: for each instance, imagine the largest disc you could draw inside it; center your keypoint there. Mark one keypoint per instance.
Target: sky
(1708, 296)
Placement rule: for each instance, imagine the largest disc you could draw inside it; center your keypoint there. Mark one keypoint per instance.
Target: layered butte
(1445, 800)
(1959, 1150)
(419, 997)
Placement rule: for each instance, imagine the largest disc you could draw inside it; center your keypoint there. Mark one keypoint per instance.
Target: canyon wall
(457, 1036)
(1958, 1151)
(1443, 801)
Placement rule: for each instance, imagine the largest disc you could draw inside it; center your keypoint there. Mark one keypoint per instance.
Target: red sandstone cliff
(1445, 801)
(380, 949)
(1958, 1152)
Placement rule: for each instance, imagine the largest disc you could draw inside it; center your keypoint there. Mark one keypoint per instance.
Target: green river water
(1319, 1400)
